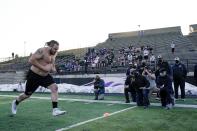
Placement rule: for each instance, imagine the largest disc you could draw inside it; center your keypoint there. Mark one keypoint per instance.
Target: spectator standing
(161, 63)
(146, 53)
(152, 60)
(172, 47)
(179, 76)
(195, 73)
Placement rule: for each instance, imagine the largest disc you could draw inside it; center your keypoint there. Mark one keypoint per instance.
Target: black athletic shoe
(127, 101)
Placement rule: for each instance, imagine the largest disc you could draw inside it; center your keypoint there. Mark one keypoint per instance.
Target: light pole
(24, 48)
(138, 30)
(139, 34)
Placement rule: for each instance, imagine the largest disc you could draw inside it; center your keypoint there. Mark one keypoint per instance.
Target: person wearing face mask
(99, 88)
(164, 83)
(179, 76)
(140, 84)
(195, 74)
(128, 87)
(132, 65)
(161, 63)
(142, 66)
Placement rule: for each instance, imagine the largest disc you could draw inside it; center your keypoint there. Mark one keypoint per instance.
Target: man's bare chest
(47, 59)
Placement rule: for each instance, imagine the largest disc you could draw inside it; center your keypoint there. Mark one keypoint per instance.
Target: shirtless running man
(43, 62)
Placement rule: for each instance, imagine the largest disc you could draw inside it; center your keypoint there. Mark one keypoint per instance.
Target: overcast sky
(26, 25)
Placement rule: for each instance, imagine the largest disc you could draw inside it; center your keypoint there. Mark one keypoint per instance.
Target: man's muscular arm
(53, 65)
(37, 56)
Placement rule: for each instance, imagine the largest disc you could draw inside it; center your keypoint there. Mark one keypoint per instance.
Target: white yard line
(110, 104)
(5, 103)
(96, 101)
(103, 101)
(94, 119)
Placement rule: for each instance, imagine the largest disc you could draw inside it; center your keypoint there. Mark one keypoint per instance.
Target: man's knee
(25, 95)
(54, 89)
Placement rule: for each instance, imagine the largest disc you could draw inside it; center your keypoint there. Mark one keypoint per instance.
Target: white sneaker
(14, 107)
(57, 112)
(182, 99)
(169, 106)
(157, 98)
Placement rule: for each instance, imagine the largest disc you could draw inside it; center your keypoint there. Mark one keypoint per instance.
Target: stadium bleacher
(193, 34)
(159, 39)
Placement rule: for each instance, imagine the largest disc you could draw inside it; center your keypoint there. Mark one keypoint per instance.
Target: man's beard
(51, 52)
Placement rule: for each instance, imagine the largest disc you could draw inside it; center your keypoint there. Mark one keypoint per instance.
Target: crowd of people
(103, 57)
(159, 80)
(142, 78)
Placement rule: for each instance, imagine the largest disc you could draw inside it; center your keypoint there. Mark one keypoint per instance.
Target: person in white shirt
(172, 47)
(152, 60)
(146, 53)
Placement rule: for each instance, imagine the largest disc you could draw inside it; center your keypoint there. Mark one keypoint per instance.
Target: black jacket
(179, 71)
(195, 71)
(140, 81)
(166, 82)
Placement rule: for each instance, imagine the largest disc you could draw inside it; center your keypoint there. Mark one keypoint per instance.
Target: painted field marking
(1, 103)
(110, 104)
(94, 119)
(105, 101)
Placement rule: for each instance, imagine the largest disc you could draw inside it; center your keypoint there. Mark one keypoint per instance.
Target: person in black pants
(128, 84)
(195, 74)
(128, 88)
(179, 76)
(140, 84)
(99, 88)
(164, 83)
(161, 63)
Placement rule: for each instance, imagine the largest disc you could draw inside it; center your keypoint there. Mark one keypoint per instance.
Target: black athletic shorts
(34, 81)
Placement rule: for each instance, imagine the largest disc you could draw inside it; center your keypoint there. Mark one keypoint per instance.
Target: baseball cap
(159, 56)
(176, 58)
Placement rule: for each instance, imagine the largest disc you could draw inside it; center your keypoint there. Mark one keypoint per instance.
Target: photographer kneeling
(99, 88)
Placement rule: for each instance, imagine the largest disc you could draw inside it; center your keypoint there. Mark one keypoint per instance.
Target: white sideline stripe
(94, 119)
(108, 102)
(77, 100)
(5, 103)
(87, 103)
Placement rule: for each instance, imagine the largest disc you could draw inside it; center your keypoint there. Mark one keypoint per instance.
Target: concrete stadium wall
(16, 77)
(75, 81)
(12, 77)
(176, 29)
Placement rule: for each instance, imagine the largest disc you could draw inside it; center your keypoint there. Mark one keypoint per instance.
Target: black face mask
(176, 61)
(159, 60)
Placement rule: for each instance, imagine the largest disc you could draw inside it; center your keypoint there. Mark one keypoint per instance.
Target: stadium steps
(12, 77)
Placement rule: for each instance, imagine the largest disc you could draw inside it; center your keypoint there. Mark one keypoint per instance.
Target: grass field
(35, 115)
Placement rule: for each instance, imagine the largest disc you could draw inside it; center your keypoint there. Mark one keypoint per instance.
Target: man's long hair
(51, 43)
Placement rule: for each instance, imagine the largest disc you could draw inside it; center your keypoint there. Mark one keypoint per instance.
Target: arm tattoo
(39, 51)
